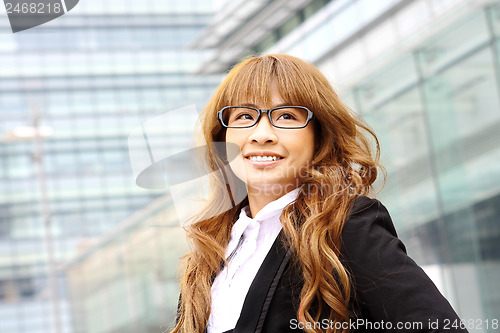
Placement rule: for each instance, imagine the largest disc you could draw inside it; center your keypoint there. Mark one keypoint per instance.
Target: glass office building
(425, 74)
(128, 281)
(85, 80)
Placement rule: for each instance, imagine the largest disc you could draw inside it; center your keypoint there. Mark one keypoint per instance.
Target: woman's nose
(263, 131)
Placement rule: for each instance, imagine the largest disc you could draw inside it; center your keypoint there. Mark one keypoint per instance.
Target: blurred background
(83, 249)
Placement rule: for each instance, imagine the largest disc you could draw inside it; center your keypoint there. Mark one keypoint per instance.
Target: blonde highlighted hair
(345, 166)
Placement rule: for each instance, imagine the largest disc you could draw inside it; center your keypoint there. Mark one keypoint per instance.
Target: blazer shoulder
(363, 203)
(387, 284)
(367, 230)
(369, 215)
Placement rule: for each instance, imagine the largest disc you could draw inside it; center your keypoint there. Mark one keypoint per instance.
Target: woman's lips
(264, 158)
(264, 161)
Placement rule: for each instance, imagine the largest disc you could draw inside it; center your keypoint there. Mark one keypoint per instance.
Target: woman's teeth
(264, 158)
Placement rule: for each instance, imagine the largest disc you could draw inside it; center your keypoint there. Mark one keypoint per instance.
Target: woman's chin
(269, 188)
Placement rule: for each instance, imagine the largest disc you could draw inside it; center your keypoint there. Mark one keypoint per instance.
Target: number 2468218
(33, 8)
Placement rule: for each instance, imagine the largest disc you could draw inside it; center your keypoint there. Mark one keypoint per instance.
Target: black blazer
(388, 287)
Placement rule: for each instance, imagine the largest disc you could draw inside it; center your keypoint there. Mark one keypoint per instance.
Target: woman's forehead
(264, 96)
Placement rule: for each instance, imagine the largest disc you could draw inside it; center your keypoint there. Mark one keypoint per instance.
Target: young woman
(306, 250)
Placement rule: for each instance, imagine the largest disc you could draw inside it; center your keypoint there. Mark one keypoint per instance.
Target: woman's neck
(258, 199)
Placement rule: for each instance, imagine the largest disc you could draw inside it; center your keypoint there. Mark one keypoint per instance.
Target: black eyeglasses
(281, 117)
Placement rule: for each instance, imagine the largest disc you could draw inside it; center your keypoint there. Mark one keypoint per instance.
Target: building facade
(85, 80)
(425, 74)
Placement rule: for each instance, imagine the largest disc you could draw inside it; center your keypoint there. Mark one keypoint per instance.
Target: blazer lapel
(262, 288)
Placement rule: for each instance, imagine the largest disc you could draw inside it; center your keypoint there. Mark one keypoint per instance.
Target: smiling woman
(307, 250)
(273, 157)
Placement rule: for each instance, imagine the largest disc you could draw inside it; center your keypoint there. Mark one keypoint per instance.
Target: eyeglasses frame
(310, 115)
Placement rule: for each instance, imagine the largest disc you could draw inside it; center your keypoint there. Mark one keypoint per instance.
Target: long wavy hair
(345, 166)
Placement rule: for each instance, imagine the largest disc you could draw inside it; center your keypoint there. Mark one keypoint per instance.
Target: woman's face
(292, 151)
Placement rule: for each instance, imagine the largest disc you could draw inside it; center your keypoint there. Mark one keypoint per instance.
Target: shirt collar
(270, 210)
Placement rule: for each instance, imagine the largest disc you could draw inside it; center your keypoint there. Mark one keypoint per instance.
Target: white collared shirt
(250, 241)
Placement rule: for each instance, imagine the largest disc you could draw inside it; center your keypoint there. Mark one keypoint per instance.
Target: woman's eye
(245, 116)
(286, 116)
